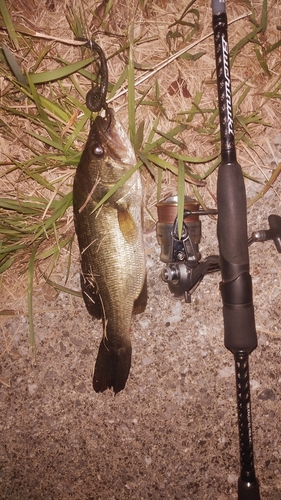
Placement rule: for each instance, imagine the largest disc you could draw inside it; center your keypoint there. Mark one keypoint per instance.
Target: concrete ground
(172, 433)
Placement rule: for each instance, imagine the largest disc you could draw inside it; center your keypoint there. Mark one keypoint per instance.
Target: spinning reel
(184, 268)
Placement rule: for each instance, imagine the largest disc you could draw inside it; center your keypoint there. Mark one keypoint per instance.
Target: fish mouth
(110, 134)
(104, 124)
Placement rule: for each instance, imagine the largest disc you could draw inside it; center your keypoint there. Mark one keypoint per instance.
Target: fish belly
(113, 268)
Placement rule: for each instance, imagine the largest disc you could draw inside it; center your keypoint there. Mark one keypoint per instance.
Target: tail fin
(112, 368)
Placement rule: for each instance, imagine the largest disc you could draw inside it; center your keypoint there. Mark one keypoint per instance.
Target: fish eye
(98, 150)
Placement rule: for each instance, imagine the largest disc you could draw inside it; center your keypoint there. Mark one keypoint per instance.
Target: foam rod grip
(232, 221)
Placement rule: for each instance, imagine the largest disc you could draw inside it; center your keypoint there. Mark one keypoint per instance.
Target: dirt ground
(172, 433)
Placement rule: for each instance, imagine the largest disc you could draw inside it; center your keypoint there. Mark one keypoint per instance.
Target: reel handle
(274, 233)
(275, 225)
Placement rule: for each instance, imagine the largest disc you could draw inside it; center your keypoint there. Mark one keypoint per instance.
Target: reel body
(184, 269)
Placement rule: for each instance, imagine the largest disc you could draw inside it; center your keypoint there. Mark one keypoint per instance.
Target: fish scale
(119, 280)
(111, 245)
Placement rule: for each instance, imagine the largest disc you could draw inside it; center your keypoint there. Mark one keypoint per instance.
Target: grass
(49, 106)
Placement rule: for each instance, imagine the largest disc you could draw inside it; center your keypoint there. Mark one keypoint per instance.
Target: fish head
(109, 150)
(110, 136)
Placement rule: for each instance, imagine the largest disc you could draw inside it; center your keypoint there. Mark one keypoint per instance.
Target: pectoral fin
(127, 224)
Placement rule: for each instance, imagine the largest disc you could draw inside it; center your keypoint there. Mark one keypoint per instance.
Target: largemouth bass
(113, 278)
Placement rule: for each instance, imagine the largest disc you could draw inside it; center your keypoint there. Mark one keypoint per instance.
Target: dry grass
(41, 143)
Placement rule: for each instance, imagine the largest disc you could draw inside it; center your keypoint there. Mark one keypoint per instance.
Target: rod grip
(248, 491)
(236, 286)
(232, 221)
(238, 314)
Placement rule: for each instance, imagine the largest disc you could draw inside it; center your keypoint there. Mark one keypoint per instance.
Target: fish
(113, 267)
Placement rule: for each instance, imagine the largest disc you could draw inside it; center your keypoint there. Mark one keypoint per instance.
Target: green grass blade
(192, 57)
(75, 23)
(262, 61)
(60, 206)
(190, 159)
(7, 264)
(47, 141)
(59, 73)
(117, 185)
(159, 162)
(264, 16)
(243, 96)
(14, 65)
(267, 186)
(109, 5)
(131, 86)
(139, 136)
(53, 250)
(152, 131)
(195, 106)
(122, 78)
(246, 39)
(41, 110)
(9, 24)
(80, 125)
(57, 111)
(156, 144)
(30, 301)
(273, 47)
(41, 57)
(159, 184)
(169, 137)
(199, 197)
(212, 168)
(21, 206)
(61, 288)
(147, 163)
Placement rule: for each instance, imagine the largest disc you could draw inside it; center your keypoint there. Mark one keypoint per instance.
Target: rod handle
(248, 491)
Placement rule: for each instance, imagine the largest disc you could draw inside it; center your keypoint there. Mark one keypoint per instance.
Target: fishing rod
(184, 269)
(240, 335)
